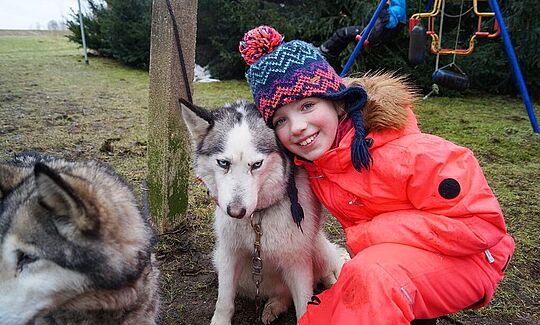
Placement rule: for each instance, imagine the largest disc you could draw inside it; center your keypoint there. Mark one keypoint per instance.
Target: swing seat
(450, 79)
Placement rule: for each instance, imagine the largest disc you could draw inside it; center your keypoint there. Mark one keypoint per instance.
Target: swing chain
(458, 31)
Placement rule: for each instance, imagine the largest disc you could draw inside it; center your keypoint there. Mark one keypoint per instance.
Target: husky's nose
(236, 212)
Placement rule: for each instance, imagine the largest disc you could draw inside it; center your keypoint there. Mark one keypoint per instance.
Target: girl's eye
(307, 106)
(223, 163)
(256, 165)
(279, 122)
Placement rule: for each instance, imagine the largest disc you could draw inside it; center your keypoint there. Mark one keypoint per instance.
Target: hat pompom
(258, 42)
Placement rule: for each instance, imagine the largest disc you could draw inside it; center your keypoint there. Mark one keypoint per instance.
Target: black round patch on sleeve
(449, 188)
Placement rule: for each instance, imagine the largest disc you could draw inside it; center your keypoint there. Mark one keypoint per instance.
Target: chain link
(257, 264)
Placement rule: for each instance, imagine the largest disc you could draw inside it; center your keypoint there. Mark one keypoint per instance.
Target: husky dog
(74, 248)
(238, 158)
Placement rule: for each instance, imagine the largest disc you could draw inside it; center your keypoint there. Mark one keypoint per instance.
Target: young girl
(425, 231)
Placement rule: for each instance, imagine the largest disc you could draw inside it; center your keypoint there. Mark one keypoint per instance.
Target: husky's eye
(256, 165)
(24, 259)
(223, 163)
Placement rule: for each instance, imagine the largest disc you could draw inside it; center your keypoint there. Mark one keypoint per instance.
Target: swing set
(450, 75)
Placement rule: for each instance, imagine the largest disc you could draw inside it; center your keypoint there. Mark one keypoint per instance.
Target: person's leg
(339, 40)
(395, 284)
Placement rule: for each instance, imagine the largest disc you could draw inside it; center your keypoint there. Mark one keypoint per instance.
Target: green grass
(56, 103)
(52, 102)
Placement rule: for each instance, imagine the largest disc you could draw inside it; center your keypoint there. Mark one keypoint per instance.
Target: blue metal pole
(515, 65)
(365, 34)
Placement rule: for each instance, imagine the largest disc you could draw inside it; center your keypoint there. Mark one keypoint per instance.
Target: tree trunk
(168, 142)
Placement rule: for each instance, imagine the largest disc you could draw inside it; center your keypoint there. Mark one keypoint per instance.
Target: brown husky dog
(74, 247)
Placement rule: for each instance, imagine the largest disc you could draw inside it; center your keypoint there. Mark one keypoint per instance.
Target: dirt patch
(186, 269)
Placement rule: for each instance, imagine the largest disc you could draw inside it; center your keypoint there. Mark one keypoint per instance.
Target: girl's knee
(370, 284)
(366, 276)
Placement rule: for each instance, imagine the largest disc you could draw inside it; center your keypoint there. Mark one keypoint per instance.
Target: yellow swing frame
(435, 38)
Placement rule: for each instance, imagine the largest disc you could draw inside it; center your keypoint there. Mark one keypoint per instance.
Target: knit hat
(283, 72)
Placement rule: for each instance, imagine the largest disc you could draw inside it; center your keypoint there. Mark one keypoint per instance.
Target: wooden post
(168, 142)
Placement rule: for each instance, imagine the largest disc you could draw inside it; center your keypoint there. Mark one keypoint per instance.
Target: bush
(94, 35)
(118, 29)
(218, 33)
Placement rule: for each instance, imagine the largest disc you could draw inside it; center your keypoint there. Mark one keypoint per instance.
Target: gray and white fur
(74, 248)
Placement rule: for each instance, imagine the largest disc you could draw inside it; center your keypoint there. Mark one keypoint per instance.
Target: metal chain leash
(257, 264)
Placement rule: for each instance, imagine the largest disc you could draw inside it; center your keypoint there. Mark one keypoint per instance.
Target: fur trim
(388, 97)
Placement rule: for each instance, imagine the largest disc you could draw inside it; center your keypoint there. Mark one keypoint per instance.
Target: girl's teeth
(307, 141)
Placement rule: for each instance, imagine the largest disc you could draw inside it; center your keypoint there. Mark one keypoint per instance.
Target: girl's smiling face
(307, 127)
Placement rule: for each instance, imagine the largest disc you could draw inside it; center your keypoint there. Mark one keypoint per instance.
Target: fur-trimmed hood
(390, 98)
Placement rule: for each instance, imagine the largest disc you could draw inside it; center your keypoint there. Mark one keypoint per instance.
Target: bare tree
(53, 25)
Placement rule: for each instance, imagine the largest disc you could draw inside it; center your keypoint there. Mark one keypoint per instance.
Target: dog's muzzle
(236, 212)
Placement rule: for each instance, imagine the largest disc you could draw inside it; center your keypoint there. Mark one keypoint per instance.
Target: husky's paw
(329, 280)
(273, 308)
(219, 320)
(331, 277)
(344, 255)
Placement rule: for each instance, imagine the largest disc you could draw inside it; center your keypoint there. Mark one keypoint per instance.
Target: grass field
(50, 101)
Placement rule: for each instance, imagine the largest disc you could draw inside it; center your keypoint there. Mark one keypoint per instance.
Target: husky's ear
(197, 119)
(70, 215)
(11, 176)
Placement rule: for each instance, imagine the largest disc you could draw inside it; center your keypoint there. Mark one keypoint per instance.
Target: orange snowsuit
(427, 233)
